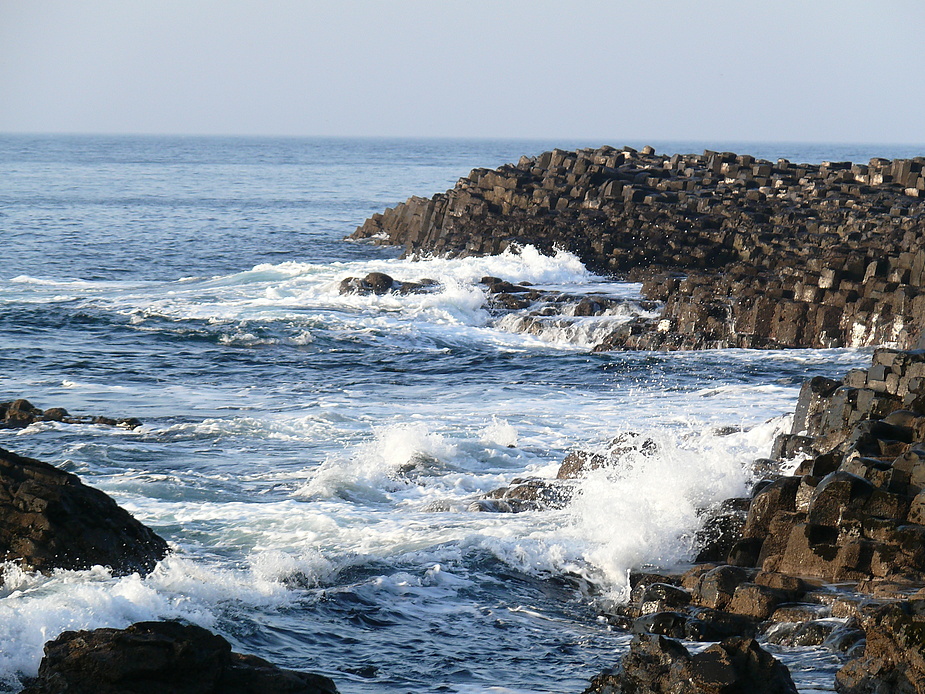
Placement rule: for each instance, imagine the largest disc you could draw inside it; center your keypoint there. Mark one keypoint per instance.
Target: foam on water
(305, 298)
(312, 457)
(36, 608)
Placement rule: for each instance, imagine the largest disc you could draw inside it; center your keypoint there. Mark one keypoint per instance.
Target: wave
(293, 304)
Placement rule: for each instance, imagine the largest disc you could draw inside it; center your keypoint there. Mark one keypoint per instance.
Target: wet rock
(623, 447)
(658, 597)
(717, 586)
(671, 624)
(836, 492)
(721, 530)
(707, 624)
(18, 414)
(894, 655)
(379, 283)
(756, 601)
(809, 633)
(577, 464)
(659, 665)
(525, 495)
(50, 520)
(170, 657)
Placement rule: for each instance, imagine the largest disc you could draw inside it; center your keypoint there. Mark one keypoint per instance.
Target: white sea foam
(36, 608)
(500, 433)
(382, 464)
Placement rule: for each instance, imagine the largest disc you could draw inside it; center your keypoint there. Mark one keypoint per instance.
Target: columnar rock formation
(771, 254)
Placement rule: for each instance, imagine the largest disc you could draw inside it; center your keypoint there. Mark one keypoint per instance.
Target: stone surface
(168, 657)
(659, 665)
(743, 252)
(50, 520)
(894, 656)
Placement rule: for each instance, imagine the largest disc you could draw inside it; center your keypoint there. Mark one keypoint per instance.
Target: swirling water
(311, 456)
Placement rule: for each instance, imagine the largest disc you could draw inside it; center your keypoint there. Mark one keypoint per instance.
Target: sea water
(312, 457)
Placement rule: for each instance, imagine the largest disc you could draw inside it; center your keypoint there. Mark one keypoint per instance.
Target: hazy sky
(807, 70)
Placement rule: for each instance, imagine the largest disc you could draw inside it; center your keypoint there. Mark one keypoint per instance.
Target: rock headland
(743, 252)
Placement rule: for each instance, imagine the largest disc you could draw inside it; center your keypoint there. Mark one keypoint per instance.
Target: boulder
(50, 520)
(659, 665)
(167, 657)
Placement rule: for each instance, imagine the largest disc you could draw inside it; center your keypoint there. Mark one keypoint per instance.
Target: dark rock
(577, 463)
(50, 520)
(658, 665)
(721, 530)
(21, 413)
(768, 257)
(525, 495)
(165, 657)
(894, 656)
(55, 414)
(837, 491)
(717, 586)
(756, 601)
(671, 624)
(658, 597)
(379, 283)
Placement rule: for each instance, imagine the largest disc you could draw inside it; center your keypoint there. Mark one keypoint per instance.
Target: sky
(784, 71)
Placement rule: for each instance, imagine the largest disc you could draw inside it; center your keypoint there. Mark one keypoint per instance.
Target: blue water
(312, 458)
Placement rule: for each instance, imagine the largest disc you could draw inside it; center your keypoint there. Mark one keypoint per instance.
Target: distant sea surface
(313, 458)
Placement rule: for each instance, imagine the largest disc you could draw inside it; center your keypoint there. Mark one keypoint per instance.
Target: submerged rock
(18, 414)
(50, 520)
(166, 657)
(380, 283)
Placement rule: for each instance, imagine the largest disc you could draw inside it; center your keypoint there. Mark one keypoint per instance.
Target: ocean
(314, 458)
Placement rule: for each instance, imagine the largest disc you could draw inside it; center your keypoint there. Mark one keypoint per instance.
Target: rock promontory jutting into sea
(744, 252)
(829, 550)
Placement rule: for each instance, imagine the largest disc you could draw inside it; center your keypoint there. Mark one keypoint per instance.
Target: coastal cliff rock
(50, 520)
(161, 657)
(744, 252)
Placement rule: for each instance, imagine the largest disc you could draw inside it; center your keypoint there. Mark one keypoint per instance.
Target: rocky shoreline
(828, 551)
(754, 254)
(744, 252)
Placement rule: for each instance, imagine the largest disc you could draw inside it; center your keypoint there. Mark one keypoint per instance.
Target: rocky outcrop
(894, 656)
(50, 520)
(657, 665)
(744, 252)
(853, 510)
(17, 414)
(161, 657)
